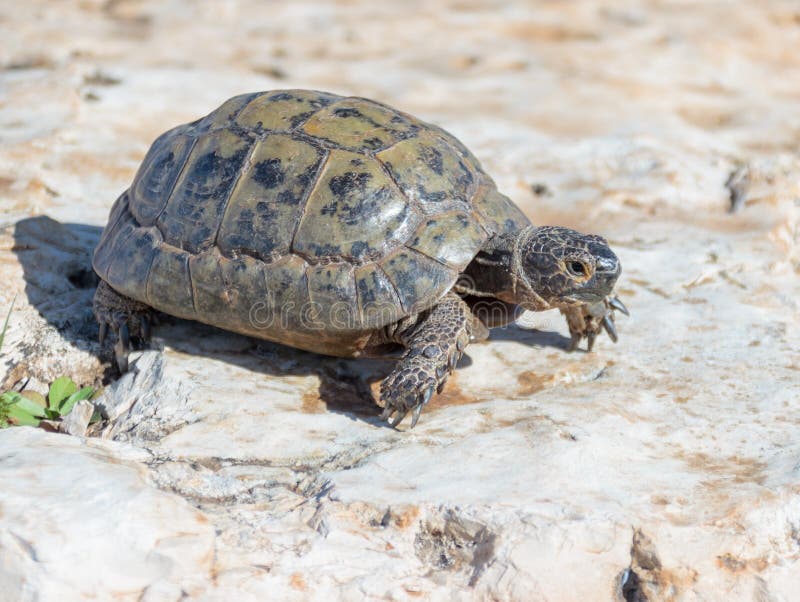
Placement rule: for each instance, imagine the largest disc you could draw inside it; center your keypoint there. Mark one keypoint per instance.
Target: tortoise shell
(301, 217)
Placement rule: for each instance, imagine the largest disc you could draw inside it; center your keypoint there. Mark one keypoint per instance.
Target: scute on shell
(280, 209)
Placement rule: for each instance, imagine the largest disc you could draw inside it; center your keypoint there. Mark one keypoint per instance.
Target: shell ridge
(243, 169)
(358, 304)
(390, 146)
(300, 124)
(427, 255)
(301, 210)
(476, 216)
(308, 287)
(317, 141)
(394, 288)
(156, 233)
(121, 242)
(192, 286)
(235, 115)
(413, 202)
(168, 197)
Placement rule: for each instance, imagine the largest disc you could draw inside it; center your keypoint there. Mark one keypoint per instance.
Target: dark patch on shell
(433, 158)
(373, 143)
(347, 112)
(324, 249)
(432, 197)
(281, 96)
(348, 182)
(269, 173)
(359, 249)
(287, 198)
(300, 118)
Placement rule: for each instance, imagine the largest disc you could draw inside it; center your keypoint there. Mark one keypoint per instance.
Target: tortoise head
(563, 267)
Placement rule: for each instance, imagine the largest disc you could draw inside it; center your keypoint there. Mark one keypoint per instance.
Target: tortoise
(341, 226)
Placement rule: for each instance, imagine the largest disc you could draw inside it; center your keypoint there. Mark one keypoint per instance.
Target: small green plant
(29, 408)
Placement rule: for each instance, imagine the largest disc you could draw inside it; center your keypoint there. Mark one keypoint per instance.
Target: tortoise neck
(491, 272)
(496, 271)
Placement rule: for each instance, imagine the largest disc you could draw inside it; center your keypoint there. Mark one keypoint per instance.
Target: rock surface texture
(666, 467)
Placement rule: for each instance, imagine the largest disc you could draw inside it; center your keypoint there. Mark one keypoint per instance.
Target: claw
(452, 362)
(424, 399)
(101, 335)
(415, 415)
(121, 355)
(590, 337)
(440, 386)
(615, 303)
(609, 327)
(124, 335)
(440, 370)
(398, 419)
(145, 326)
(387, 411)
(460, 345)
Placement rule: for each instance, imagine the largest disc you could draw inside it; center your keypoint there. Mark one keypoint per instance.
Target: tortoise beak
(600, 285)
(607, 270)
(608, 265)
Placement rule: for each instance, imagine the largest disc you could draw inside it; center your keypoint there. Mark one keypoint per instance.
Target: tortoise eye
(577, 268)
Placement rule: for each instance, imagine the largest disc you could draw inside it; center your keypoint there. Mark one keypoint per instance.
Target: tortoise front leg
(128, 319)
(433, 347)
(588, 319)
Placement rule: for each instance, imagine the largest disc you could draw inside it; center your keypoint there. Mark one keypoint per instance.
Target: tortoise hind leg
(126, 317)
(433, 347)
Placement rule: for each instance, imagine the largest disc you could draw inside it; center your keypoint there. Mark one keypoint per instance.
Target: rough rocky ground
(666, 467)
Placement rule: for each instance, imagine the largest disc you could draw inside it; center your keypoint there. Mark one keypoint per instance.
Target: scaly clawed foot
(432, 352)
(587, 321)
(128, 319)
(420, 373)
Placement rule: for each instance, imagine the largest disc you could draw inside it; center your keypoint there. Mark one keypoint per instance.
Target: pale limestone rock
(666, 465)
(77, 421)
(80, 519)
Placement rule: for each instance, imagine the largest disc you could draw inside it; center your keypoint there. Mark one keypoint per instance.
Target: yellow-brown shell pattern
(305, 199)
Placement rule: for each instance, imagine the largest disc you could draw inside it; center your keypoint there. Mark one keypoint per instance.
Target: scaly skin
(308, 198)
(126, 317)
(586, 321)
(536, 268)
(433, 348)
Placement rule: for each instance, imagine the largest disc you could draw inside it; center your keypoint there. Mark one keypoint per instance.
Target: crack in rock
(646, 579)
(136, 405)
(455, 543)
(250, 481)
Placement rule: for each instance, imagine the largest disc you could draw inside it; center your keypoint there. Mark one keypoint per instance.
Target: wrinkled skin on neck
(544, 267)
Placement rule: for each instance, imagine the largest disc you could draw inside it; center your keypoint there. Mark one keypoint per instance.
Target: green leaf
(9, 397)
(19, 411)
(52, 414)
(35, 397)
(5, 324)
(4, 407)
(66, 407)
(17, 416)
(61, 388)
(23, 404)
